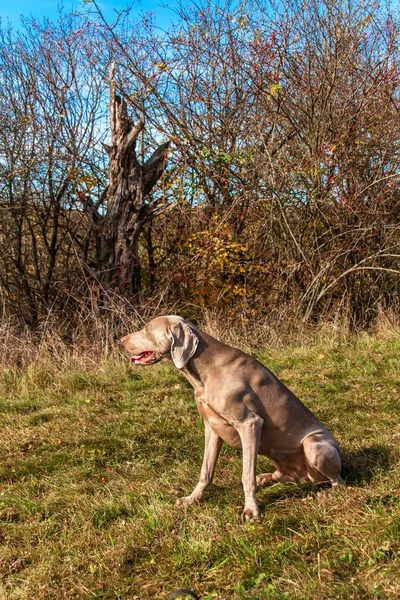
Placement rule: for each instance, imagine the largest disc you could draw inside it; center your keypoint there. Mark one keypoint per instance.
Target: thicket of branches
(281, 187)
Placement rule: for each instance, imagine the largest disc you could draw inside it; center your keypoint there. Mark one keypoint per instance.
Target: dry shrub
(96, 335)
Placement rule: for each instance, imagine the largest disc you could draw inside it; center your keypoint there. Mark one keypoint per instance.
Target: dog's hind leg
(275, 477)
(323, 459)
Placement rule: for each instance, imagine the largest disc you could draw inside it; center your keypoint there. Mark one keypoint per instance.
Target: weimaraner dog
(243, 404)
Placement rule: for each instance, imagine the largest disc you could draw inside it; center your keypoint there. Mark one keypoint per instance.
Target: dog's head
(164, 337)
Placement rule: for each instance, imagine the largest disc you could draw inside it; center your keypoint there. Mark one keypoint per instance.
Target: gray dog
(243, 404)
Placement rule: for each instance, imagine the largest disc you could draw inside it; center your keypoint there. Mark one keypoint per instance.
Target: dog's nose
(123, 340)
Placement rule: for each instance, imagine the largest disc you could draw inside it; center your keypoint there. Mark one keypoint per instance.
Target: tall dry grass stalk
(95, 336)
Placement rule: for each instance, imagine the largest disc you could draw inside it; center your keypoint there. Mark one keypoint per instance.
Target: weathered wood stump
(127, 211)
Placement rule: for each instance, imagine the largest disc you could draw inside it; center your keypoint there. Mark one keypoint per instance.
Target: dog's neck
(203, 362)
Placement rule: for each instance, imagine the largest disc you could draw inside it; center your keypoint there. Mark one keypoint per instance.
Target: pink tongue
(138, 356)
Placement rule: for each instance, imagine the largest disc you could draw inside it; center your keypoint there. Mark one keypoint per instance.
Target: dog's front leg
(212, 448)
(250, 433)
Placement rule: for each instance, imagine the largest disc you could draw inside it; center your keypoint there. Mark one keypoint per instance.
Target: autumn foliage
(281, 189)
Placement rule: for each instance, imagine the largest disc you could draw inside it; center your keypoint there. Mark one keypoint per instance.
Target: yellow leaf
(275, 89)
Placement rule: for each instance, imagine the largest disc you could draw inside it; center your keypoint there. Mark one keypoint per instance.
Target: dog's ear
(184, 343)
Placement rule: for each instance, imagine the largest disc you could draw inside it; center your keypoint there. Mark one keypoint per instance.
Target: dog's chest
(218, 424)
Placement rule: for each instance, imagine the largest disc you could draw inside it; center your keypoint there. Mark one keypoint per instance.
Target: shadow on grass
(362, 465)
(282, 491)
(359, 466)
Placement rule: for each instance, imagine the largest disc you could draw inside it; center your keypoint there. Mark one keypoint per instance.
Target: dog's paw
(185, 501)
(326, 492)
(263, 479)
(251, 514)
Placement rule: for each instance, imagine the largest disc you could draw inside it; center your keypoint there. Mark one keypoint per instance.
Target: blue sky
(12, 10)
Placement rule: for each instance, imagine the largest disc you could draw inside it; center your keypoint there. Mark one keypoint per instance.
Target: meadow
(94, 453)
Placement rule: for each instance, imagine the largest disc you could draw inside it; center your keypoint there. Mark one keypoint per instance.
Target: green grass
(92, 462)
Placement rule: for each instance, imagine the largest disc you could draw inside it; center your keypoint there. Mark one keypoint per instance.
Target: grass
(92, 460)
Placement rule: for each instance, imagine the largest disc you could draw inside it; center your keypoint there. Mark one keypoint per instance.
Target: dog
(243, 404)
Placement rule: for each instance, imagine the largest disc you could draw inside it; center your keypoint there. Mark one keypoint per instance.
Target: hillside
(93, 458)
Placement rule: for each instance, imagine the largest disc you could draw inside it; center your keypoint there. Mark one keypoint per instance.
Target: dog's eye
(150, 336)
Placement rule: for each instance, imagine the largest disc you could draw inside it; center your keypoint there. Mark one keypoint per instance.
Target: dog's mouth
(144, 358)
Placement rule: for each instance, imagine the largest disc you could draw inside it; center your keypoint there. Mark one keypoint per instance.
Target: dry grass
(94, 454)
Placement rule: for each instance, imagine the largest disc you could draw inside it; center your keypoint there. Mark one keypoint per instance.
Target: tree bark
(127, 212)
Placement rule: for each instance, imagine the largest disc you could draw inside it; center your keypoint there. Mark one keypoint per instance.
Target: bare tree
(52, 106)
(127, 211)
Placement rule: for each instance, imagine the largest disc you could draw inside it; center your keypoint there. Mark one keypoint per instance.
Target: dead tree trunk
(127, 212)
